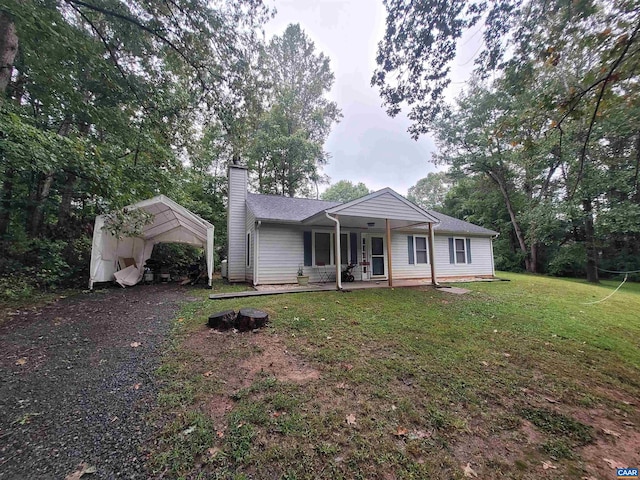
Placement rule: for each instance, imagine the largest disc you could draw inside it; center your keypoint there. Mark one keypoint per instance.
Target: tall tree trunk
(5, 202)
(589, 238)
(64, 212)
(8, 49)
(530, 267)
(44, 187)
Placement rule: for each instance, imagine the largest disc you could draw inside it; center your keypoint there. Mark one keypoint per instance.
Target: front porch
(263, 290)
(363, 236)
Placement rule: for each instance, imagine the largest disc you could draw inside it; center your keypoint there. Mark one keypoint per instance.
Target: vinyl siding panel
(250, 228)
(383, 206)
(236, 224)
(281, 250)
(400, 259)
(481, 261)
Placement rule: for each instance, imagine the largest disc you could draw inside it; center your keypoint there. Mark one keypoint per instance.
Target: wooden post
(432, 256)
(389, 253)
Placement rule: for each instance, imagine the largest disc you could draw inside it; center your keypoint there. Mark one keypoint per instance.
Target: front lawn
(519, 379)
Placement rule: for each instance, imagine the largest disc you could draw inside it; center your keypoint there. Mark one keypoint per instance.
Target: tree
(102, 100)
(287, 152)
(429, 192)
(345, 191)
(538, 131)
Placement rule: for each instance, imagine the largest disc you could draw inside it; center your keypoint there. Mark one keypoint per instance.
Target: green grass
(434, 380)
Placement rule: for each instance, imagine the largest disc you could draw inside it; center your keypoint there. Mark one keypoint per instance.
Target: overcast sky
(367, 145)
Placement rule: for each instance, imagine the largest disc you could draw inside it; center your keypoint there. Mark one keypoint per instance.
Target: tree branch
(583, 153)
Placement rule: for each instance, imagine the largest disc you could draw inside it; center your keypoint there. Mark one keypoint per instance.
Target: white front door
(378, 257)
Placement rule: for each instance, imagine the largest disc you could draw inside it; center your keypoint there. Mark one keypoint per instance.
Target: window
(461, 253)
(323, 248)
(249, 249)
(421, 249)
(344, 248)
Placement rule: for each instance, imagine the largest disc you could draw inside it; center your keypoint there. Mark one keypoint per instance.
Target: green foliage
(104, 109)
(286, 153)
(345, 191)
(429, 192)
(126, 222)
(176, 257)
(555, 130)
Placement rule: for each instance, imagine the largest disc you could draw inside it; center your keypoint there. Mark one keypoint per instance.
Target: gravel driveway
(75, 385)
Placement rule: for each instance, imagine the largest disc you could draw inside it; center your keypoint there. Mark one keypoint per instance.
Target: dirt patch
(240, 359)
(275, 360)
(616, 445)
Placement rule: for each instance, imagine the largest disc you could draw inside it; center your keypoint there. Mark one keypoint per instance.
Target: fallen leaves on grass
(469, 472)
(419, 435)
(135, 344)
(506, 355)
(351, 419)
(83, 469)
(21, 361)
(181, 320)
(207, 374)
(220, 434)
(614, 463)
(548, 465)
(485, 363)
(401, 432)
(213, 451)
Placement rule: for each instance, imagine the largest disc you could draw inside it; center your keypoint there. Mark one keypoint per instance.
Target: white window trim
(455, 251)
(415, 250)
(332, 246)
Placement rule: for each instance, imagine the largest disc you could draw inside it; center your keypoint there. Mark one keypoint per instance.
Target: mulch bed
(77, 380)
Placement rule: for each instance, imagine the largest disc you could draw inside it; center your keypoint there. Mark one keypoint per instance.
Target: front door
(378, 256)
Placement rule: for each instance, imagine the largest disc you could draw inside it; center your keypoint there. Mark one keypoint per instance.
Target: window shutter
(410, 246)
(354, 247)
(452, 253)
(307, 249)
(468, 250)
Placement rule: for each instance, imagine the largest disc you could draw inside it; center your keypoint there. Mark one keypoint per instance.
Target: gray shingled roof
(453, 225)
(287, 209)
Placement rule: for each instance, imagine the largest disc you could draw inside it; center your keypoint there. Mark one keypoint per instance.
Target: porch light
(371, 224)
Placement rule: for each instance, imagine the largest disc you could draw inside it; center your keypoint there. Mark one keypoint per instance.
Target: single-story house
(384, 235)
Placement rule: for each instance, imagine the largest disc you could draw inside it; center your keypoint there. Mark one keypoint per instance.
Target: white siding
(400, 259)
(250, 228)
(481, 261)
(384, 206)
(236, 224)
(281, 250)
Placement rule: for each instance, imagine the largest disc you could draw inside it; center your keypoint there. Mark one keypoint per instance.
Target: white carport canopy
(172, 223)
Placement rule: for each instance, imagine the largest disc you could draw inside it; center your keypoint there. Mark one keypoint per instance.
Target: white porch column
(432, 257)
(336, 255)
(389, 253)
